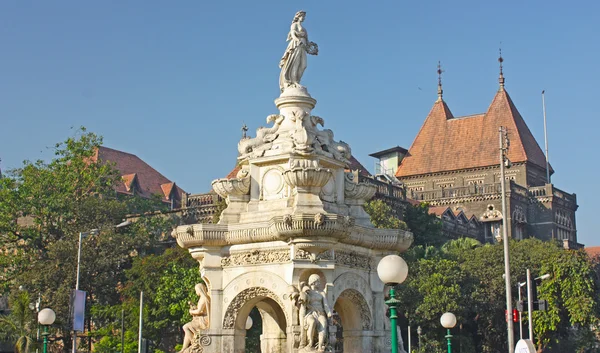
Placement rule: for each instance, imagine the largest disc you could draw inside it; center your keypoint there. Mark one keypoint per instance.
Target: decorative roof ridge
(478, 115)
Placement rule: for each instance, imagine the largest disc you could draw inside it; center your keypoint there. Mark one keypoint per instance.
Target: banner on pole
(78, 310)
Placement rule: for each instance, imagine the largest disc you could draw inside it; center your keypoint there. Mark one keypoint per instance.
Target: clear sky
(173, 81)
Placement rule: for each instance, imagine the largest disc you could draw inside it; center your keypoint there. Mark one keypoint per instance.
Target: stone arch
(272, 312)
(351, 280)
(353, 303)
(275, 286)
(354, 311)
(240, 306)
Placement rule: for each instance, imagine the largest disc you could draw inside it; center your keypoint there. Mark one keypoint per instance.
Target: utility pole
(141, 317)
(504, 143)
(122, 331)
(546, 138)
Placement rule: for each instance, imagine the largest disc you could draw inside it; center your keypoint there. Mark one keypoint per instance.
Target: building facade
(454, 162)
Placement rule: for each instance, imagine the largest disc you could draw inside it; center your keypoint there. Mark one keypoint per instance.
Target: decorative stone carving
(272, 184)
(305, 255)
(256, 257)
(356, 194)
(307, 177)
(326, 145)
(232, 187)
(328, 191)
(244, 296)
(314, 314)
(293, 62)
(256, 147)
(491, 214)
(200, 321)
(319, 219)
(198, 343)
(353, 259)
(355, 190)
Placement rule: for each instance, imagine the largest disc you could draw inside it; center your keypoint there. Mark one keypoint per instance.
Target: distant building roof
(137, 176)
(592, 251)
(447, 143)
(388, 151)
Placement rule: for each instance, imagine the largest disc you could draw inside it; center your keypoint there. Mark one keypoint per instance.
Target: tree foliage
(465, 278)
(43, 208)
(19, 325)
(382, 215)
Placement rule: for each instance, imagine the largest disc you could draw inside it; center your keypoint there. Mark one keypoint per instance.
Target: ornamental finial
(439, 72)
(501, 78)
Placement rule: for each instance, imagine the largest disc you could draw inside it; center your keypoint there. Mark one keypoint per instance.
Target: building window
(519, 231)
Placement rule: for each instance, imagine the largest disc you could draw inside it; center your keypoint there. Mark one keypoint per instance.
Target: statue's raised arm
(293, 62)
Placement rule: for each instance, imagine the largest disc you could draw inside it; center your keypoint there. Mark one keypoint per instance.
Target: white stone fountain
(294, 240)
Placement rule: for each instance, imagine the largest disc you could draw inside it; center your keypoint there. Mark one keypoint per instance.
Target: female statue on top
(293, 62)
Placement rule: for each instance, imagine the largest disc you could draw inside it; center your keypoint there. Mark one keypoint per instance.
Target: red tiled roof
(354, 164)
(447, 143)
(128, 180)
(134, 170)
(437, 210)
(592, 251)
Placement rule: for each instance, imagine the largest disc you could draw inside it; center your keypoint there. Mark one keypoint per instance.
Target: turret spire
(501, 77)
(440, 90)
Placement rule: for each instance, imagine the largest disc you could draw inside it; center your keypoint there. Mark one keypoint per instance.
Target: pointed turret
(447, 143)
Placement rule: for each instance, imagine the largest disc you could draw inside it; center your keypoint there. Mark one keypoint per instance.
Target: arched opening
(354, 319)
(272, 320)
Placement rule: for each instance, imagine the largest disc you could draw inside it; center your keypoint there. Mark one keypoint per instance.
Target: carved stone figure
(293, 62)
(314, 314)
(263, 141)
(200, 316)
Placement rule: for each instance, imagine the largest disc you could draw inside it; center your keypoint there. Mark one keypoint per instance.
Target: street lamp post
(504, 161)
(419, 332)
(81, 236)
(392, 270)
(46, 318)
(448, 321)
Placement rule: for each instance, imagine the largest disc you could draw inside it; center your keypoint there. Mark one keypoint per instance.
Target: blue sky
(173, 82)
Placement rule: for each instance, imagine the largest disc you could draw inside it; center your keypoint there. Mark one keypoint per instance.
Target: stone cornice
(302, 228)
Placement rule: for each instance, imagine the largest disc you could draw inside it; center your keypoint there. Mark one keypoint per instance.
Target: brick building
(453, 163)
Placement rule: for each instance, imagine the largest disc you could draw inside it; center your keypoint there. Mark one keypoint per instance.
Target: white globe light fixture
(249, 323)
(393, 270)
(46, 317)
(448, 321)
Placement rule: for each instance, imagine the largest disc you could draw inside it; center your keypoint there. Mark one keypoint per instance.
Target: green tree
(18, 326)
(382, 215)
(168, 281)
(44, 206)
(426, 228)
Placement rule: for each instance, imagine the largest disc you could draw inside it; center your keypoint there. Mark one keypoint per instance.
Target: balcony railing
(462, 191)
(549, 190)
(197, 200)
(385, 188)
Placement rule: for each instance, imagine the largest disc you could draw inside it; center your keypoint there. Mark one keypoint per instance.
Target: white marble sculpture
(293, 62)
(314, 314)
(294, 241)
(200, 319)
